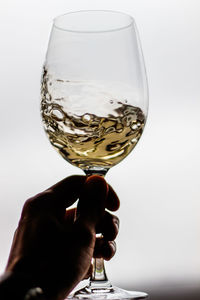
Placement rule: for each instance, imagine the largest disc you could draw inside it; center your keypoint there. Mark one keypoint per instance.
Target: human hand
(52, 246)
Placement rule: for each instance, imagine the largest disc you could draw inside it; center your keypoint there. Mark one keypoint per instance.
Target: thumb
(92, 201)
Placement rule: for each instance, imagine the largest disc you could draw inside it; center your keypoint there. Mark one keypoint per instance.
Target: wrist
(16, 286)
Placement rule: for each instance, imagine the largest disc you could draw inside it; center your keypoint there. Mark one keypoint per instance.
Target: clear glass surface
(94, 103)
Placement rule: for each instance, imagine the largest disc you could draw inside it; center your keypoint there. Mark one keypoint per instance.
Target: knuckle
(115, 233)
(109, 250)
(116, 221)
(27, 206)
(36, 203)
(112, 228)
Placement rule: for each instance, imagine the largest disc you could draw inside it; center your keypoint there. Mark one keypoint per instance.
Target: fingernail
(116, 222)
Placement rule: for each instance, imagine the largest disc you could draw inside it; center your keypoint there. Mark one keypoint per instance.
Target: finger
(68, 190)
(90, 210)
(112, 202)
(56, 198)
(108, 226)
(91, 205)
(104, 249)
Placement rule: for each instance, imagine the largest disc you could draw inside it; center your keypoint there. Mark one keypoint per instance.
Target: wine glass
(94, 103)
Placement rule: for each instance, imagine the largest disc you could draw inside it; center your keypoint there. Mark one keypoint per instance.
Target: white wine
(88, 140)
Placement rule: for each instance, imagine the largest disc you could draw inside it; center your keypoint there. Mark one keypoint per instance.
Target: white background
(159, 183)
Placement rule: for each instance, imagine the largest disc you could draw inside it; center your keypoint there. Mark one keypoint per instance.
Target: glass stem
(99, 273)
(99, 279)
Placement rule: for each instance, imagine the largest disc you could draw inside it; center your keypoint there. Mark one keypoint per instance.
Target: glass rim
(118, 28)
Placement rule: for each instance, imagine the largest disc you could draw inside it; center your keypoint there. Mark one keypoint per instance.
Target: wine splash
(89, 140)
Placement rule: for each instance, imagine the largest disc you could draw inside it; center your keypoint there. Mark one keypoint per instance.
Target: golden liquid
(89, 140)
